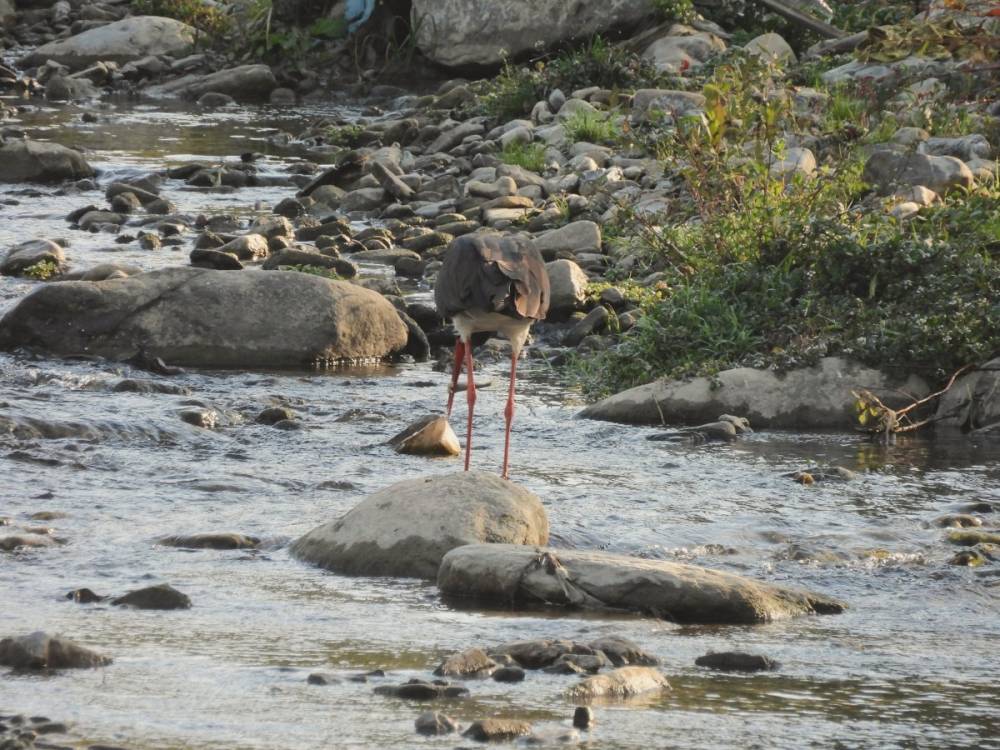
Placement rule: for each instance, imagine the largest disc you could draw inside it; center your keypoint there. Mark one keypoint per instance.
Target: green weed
(43, 270)
(591, 127)
(531, 156)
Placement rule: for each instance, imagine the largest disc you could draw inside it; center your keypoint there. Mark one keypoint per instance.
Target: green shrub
(206, 17)
(591, 127)
(531, 156)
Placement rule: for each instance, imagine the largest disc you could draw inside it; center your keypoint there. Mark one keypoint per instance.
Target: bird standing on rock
(490, 283)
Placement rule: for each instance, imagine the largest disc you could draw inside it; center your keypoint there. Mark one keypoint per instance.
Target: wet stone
(470, 663)
(498, 730)
(163, 596)
(274, 414)
(737, 661)
(207, 419)
(434, 723)
(421, 690)
(322, 678)
(85, 596)
(957, 521)
(583, 717)
(212, 541)
(367, 676)
(623, 652)
(509, 674)
(51, 727)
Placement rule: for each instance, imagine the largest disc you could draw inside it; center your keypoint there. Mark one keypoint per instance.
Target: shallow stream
(913, 663)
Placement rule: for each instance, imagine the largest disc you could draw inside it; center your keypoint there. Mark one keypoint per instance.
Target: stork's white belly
(476, 321)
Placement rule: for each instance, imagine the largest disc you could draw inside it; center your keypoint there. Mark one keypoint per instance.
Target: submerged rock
(85, 596)
(737, 661)
(421, 690)
(814, 397)
(624, 682)
(405, 529)
(203, 318)
(163, 596)
(433, 723)
(212, 541)
(497, 730)
(598, 580)
(39, 650)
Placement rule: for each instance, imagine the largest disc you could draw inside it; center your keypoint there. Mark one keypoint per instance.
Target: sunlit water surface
(913, 663)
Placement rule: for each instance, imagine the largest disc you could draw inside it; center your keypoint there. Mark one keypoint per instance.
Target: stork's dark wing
(492, 273)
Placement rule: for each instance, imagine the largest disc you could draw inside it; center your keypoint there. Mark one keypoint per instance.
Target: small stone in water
(497, 730)
(434, 723)
(509, 674)
(85, 596)
(319, 678)
(737, 661)
(583, 717)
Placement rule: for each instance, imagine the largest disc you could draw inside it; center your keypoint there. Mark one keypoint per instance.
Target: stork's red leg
(456, 370)
(508, 413)
(470, 395)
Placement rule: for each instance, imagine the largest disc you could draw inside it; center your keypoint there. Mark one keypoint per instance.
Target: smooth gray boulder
(567, 287)
(40, 161)
(123, 41)
(815, 397)
(888, 170)
(482, 32)
(242, 83)
(972, 404)
(39, 650)
(576, 237)
(22, 257)
(600, 580)
(405, 529)
(205, 318)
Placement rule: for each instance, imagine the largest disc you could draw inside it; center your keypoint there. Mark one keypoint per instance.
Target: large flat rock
(121, 42)
(810, 398)
(404, 530)
(599, 580)
(482, 32)
(204, 318)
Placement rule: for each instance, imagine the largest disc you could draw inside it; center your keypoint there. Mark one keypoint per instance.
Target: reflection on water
(911, 664)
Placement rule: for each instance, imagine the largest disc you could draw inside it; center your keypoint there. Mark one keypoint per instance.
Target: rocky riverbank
(702, 199)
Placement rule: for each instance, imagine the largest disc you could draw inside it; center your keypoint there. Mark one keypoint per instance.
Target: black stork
(490, 283)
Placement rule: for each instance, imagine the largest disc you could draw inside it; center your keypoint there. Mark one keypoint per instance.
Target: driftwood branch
(881, 422)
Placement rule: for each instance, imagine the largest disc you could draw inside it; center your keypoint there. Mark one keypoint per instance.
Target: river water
(913, 663)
